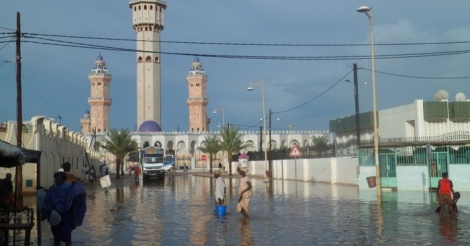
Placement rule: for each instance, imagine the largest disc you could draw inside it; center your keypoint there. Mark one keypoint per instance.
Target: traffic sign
(295, 152)
(203, 157)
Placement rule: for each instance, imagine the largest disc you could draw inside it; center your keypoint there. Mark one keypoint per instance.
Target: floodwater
(180, 211)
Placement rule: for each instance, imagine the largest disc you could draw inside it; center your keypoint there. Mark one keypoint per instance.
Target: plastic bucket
(371, 181)
(221, 210)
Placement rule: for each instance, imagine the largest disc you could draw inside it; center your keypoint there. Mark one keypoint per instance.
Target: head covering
(60, 175)
(218, 172)
(244, 169)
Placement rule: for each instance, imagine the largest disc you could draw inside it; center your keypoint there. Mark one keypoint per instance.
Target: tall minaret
(148, 21)
(99, 101)
(197, 101)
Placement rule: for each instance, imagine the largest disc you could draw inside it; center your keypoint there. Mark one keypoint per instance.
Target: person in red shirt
(445, 191)
(137, 172)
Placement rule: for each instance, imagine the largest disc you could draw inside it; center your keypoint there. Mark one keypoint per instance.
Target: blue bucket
(221, 210)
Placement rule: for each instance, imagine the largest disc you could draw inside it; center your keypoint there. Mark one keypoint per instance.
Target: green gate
(438, 164)
(388, 170)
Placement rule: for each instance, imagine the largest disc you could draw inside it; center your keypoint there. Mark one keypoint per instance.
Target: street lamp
(250, 88)
(216, 110)
(368, 11)
(291, 126)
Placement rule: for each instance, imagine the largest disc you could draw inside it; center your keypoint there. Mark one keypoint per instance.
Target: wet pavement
(180, 211)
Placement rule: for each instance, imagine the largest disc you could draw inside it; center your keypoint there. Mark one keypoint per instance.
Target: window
(151, 7)
(146, 28)
(99, 83)
(157, 60)
(135, 8)
(148, 59)
(145, 7)
(140, 59)
(139, 7)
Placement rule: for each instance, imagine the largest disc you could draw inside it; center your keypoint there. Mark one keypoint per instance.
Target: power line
(418, 77)
(288, 58)
(247, 44)
(7, 28)
(34, 90)
(317, 96)
(6, 42)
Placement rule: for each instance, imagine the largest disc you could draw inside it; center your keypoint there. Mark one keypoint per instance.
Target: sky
(302, 94)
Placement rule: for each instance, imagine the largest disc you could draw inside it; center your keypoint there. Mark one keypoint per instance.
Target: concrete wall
(412, 178)
(327, 170)
(416, 178)
(57, 144)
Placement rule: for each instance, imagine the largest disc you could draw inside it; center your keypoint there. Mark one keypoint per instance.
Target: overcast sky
(55, 78)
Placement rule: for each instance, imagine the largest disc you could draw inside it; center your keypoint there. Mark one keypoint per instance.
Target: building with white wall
(417, 143)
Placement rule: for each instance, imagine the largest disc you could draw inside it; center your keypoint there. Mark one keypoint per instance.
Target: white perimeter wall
(345, 170)
(328, 170)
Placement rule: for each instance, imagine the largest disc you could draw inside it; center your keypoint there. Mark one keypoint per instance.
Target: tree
(232, 143)
(119, 144)
(210, 147)
(320, 144)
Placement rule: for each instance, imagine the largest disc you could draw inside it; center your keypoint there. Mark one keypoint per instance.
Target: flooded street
(180, 211)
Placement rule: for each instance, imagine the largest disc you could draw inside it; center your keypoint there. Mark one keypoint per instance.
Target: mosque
(148, 22)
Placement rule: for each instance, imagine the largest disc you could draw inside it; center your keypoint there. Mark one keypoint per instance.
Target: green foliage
(211, 147)
(320, 144)
(119, 143)
(231, 143)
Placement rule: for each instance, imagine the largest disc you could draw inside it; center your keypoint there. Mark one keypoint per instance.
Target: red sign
(203, 157)
(295, 151)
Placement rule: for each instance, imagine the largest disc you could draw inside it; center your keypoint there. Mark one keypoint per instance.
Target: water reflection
(180, 211)
(245, 232)
(448, 228)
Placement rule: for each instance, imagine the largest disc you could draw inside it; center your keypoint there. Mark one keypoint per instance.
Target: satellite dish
(437, 97)
(444, 94)
(460, 97)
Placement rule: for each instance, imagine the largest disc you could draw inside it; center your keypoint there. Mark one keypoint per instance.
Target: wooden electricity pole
(19, 115)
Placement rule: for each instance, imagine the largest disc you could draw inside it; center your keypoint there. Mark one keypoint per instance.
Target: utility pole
(19, 114)
(270, 154)
(356, 99)
(260, 138)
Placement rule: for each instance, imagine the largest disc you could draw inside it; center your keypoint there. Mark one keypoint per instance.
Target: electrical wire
(317, 96)
(289, 58)
(34, 90)
(7, 28)
(418, 77)
(247, 44)
(6, 42)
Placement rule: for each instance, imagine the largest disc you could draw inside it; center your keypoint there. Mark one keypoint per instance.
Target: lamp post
(216, 110)
(250, 88)
(291, 126)
(368, 11)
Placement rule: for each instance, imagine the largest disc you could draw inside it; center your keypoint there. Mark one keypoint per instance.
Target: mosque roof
(99, 58)
(150, 126)
(196, 59)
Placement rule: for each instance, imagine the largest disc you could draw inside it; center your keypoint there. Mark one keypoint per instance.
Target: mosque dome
(150, 126)
(99, 58)
(196, 59)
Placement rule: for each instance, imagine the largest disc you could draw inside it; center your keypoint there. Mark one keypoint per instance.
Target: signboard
(295, 152)
(203, 157)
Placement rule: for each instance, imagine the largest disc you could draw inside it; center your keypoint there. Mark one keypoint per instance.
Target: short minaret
(85, 122)
(148, 21)
(99, 101)
(197, 101)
